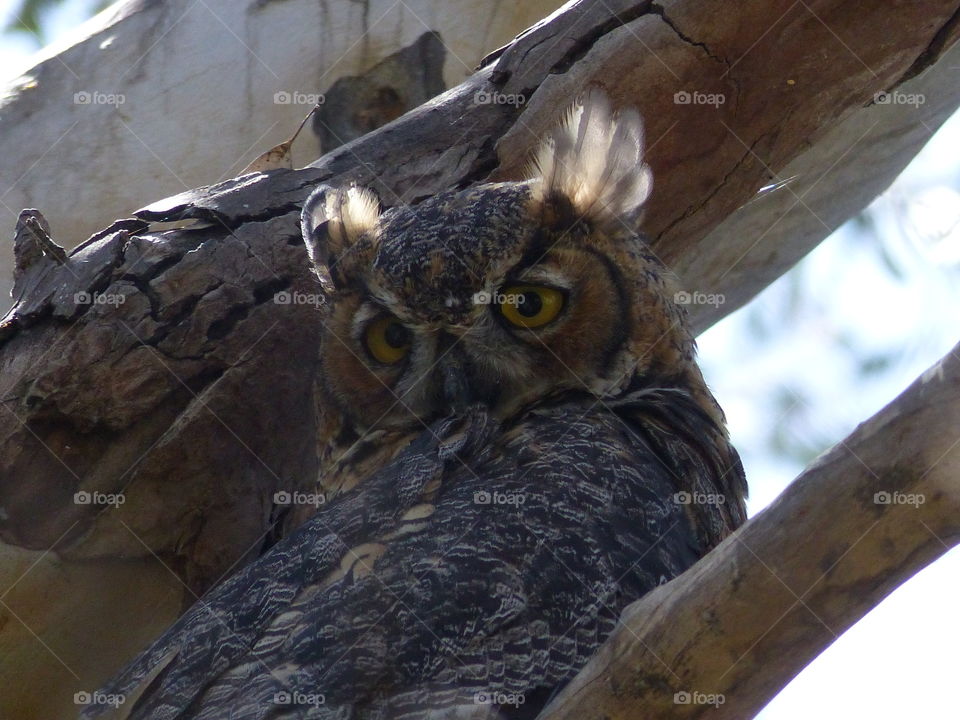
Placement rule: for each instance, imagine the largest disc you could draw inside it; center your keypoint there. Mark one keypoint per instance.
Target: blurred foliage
(794, 435)
(803, 404)
(875, 364)
(26, 16)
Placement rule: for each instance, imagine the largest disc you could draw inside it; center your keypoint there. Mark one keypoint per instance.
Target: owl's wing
(222, 627)
(475, 574)
(708, 476)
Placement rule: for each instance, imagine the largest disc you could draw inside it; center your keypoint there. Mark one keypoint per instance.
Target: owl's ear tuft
(332, 221)
(592, 165)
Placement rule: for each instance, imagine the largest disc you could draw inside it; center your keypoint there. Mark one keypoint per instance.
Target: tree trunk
(167, 375)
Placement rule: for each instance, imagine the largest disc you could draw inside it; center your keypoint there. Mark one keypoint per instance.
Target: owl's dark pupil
(396, 335)
(529, 304)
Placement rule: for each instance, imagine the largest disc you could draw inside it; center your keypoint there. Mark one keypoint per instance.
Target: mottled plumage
(515, 443)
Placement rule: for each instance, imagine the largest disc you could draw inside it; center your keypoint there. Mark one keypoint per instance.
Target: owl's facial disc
(542, 322)
(503, 293)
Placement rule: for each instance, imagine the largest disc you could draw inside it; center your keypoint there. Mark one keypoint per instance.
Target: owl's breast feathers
(485, 561)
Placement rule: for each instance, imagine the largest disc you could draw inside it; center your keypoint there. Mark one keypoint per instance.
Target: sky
(822, 349)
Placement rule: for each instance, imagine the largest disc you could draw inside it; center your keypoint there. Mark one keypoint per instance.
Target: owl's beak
(454, 370)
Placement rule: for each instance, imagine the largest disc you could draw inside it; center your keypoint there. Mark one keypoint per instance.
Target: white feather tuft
(347, 213)
(332, 221)
(359, 210)
(594, 159)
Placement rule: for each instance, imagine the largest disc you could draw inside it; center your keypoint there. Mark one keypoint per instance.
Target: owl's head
(503, 293)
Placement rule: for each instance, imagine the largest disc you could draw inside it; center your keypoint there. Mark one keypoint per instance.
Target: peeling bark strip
(739, 625)
(176, 367)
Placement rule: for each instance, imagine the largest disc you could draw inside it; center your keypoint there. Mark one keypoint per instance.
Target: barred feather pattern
(482, 567)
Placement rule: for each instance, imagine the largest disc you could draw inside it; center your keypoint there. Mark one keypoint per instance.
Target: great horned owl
(516, 443)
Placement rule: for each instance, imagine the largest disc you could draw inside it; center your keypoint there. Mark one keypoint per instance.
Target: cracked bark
(942, 40)
(661, 11)
(194, 395)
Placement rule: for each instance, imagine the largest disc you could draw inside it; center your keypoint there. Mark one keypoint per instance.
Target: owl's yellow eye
(387, 340)
(530, 306)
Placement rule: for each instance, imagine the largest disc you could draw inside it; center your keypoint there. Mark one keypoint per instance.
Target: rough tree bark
(193, 395)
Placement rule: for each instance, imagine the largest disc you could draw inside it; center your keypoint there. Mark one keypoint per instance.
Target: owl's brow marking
(541, 274)
(623, 335)
(364, 314)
